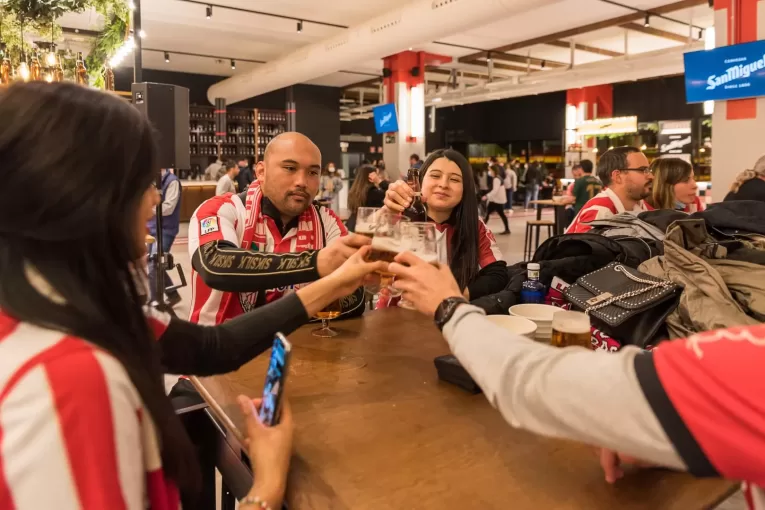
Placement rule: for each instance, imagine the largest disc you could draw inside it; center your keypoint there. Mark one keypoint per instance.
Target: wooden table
(559, 213)
(376, 429)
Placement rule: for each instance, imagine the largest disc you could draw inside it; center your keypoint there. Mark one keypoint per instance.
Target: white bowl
(540, 314)
(517, 325)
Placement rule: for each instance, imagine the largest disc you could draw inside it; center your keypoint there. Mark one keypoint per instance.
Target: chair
(528, 251)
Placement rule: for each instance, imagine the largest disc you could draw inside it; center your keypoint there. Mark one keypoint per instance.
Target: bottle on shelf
(80, 72)
(5, 70)
(109, 78)
(35, 69)
(533, 291)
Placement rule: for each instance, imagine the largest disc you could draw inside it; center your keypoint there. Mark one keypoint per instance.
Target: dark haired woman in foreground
(84, 420)
(448, 189)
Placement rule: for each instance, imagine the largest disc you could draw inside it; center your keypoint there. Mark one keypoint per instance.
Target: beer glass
(331, 311)
(388, 241)
(571, 328)
(423, 240)
(366, 219)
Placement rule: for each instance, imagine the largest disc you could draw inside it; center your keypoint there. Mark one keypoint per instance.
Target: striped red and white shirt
(224, 218)
(74, 433)
(603, 205)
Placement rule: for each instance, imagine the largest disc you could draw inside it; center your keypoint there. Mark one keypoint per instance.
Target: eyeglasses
(646, 170)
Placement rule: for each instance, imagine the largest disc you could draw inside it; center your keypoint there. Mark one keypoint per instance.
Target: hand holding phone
(275, 379)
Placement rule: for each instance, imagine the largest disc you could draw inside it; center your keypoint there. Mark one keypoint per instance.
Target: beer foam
(365, 227)
(572, 326)
(430, 258)
(387, 244)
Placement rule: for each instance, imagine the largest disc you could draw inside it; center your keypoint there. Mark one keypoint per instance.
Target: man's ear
(260, 170)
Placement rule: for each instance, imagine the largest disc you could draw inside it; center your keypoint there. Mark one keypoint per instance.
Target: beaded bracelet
(255, 500)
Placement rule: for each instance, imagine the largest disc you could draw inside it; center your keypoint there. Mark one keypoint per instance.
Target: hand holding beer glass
(571, 328)
(423, 240)
(388, 241)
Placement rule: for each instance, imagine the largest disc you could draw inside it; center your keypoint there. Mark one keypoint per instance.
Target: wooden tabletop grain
(376, 429)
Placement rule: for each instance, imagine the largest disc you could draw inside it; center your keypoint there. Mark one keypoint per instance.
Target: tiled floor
(512, 250)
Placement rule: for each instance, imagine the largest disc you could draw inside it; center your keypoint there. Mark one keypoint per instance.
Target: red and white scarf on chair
(262, 234)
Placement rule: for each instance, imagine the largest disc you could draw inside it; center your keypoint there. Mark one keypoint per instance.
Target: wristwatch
(446, 310)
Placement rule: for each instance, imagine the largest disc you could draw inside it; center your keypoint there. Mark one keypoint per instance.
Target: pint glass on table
(571, 328)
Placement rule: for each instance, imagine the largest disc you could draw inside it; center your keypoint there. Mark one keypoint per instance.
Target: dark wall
(538, 117)
(653, 100)
(318, 117)
(318, 108)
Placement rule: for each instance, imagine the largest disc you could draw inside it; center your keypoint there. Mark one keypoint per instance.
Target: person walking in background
(674, 186)
(214, 170)
(245, 176)
(226, 182)
(367, 191)
(170, 196)
(511, 184)
(497, 197)
(749, 184)
(533, 178)
(331, 184)
(414, 161)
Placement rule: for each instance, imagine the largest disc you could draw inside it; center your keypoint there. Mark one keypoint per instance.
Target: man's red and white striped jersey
(74, 433)
(603, 205)
(225, 218)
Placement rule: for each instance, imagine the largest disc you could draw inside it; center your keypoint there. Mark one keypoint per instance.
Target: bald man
(252, 248)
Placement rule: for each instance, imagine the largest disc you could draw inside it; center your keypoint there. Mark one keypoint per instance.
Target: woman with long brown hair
(674, 186)
(367, 191)
(84, 419)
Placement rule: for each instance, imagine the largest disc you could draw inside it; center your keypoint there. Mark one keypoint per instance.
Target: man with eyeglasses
(627, 179)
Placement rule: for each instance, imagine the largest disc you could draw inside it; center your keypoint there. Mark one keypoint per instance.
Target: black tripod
(163, 262)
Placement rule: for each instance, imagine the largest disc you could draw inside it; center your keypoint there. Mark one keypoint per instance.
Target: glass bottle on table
(416, 211)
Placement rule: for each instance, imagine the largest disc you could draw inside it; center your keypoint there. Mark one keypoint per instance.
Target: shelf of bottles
(268, 124)
(239, 141)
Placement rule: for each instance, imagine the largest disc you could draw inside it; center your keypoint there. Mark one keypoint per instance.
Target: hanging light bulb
(23, 70)
(50, 58)
(647, 22)
(167, 57)
(300, 26)
(209, 11)
(233, 64)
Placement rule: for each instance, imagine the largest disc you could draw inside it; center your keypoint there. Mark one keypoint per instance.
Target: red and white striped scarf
(262, 234)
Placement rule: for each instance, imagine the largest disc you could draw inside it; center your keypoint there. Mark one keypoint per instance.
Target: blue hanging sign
(386, 120)
(730, 72)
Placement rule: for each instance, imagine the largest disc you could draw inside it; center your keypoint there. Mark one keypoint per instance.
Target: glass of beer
(571, 328)
(388, 241)
(423, 240)
(366, 221)
(331, 311)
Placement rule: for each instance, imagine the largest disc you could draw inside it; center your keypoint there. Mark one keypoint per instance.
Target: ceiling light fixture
(233, 64)
(167, 57)
(488, 58)
(647, 22)
(209, 11)
(300, 26)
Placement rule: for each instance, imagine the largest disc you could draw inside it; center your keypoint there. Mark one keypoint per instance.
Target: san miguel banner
(730, 72)
(675, 139)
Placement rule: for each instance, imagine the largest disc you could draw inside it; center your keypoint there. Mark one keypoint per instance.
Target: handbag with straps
(624, 303)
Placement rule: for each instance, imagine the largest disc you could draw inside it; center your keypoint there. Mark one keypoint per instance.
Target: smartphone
(278, 366)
